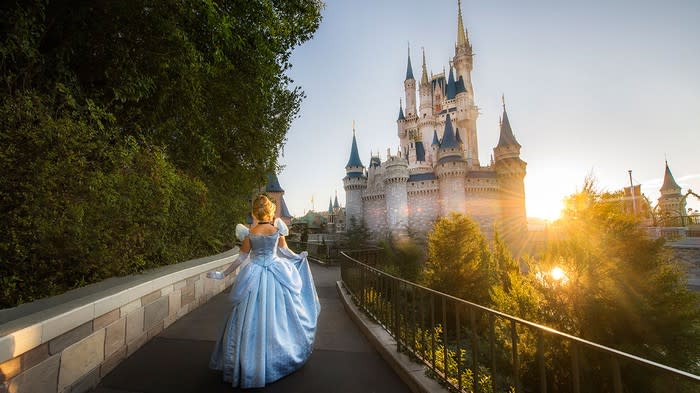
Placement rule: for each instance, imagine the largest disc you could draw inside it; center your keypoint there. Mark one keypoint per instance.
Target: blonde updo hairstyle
(263, 208)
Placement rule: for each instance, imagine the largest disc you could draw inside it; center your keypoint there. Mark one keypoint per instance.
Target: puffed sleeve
(284, 231)
(241, 231)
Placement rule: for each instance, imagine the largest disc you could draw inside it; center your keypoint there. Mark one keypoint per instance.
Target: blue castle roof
(409, 69)
(669, 181)
(436, 141)
(460, 86)
(354, 155)
(401, 116)
(420, 151)
(273, 184)
(335, 203)
(451, 89)
(285, 211)
(448, 137)
(506, 138)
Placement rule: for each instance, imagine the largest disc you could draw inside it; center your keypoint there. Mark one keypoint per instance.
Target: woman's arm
(282, 243)
(242, 255)
(245, 246)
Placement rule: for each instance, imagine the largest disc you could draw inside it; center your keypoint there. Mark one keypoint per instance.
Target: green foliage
(132, 132)
(620, 289)
(357, 235)
(459, 262)
(403, 258)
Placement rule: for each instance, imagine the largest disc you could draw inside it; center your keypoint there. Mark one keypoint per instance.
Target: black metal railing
(471, 348)
(326, 252)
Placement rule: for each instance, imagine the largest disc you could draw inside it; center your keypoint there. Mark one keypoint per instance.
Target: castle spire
(354, 160)
(506, 138)
(448, 137)
(401, 116)
(462, 39)
(424, 76)
(669, 182)
(336, 205)
(451, 89)
(409, 69)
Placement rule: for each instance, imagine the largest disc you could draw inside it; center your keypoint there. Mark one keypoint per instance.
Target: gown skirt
(270, 330)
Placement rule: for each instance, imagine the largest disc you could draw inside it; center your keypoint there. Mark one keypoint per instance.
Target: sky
(593, 86)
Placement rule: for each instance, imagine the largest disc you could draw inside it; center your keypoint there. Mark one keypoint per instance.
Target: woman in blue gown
(270, 330)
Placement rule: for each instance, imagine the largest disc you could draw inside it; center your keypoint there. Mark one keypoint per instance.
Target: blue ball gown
(270, 330)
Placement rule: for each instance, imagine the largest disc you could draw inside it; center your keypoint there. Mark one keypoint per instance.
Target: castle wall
(482, 205)
(452, 195)
(353, 205)
(423, 206)
(375, 214)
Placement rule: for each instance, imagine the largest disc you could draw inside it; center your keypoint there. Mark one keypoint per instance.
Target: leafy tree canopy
(132, 132)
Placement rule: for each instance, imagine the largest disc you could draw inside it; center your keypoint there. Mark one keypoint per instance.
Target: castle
(436, 170)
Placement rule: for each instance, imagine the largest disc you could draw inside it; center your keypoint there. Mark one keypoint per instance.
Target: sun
(545, 206)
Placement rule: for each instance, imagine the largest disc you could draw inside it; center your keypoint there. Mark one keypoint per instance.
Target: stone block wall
(424, 209)
(375, 213)
(69, 347)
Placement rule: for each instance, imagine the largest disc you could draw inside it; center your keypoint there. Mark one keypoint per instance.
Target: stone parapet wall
(67, 343)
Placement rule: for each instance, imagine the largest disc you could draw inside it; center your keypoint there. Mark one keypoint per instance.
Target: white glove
(216, 275)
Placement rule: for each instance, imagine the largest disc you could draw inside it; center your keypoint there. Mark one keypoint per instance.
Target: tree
(357, 235)
(604, 280)
(459, 262)
(131, 133)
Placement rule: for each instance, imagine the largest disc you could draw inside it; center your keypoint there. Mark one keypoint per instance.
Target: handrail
(395, 320)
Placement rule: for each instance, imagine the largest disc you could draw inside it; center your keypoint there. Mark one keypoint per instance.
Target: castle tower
(426, 93)
(510, 171)
(396, 195)
(464, 92)
(410, 87)
(274, 190)
(354, 182)
(331, 217)
(671, 203)
(451, 170)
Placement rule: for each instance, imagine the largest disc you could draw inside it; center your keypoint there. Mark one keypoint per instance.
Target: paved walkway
(176, 360)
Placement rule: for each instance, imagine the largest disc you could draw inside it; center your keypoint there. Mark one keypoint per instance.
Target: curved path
(343, 361)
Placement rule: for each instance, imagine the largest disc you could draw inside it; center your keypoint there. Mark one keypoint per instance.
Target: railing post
(492, 350)
(458, 327)
(540, 360)
(617, 378)
(475, 352)
(574, 369)
(444, 337)
(516, 358)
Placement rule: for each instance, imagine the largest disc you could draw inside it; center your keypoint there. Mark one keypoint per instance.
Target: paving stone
(10, 368)
(174, 302)
(155, 330)
(136, 344)
(155, 312)
(134, 325)
(112, 361)
(179, 285)
(187, 295)
(87, 383)
(71, 337)
(115, 336)
(198, 289)
(35, 356)
(150, 298)
(105, 319)
(129, 307)
(192, 280)
(41, 378)
(80, 358)
(166, 290)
